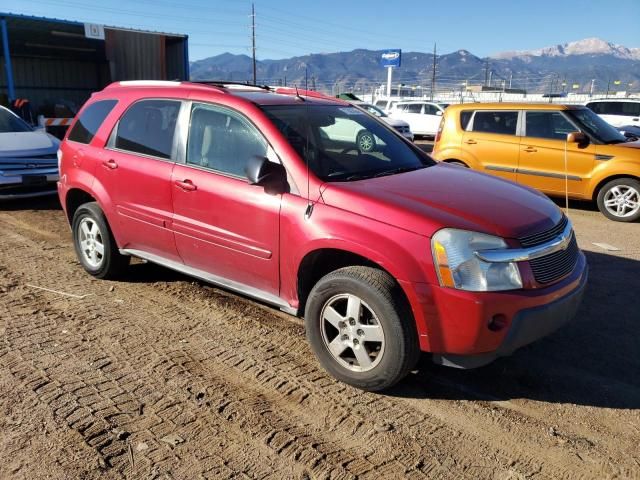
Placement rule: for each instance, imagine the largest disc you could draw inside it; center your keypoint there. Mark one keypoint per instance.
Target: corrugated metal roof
(30, 21)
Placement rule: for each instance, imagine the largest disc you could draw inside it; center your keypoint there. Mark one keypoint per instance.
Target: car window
(343, 143)
(465, 116)
(222, 140)
(430, 109)
(413, 108)
(631, 108)
(148, 128)
(495, 122)
(552, 125)
(90, 120)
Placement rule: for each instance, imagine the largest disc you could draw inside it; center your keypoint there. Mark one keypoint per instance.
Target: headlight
(459, 267)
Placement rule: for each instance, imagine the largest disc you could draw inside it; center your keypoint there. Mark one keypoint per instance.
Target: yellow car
(526, 143)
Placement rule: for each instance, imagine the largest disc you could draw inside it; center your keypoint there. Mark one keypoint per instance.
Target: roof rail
(149, 83)
(304, 93)
(223, 83)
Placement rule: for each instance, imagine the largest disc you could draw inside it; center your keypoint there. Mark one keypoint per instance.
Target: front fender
(610, 169)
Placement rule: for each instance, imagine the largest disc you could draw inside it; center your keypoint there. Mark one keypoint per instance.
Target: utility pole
(510, 79)
(490, 77)
(253, 39)
(593, 82)
(433, 74)
(486, 72)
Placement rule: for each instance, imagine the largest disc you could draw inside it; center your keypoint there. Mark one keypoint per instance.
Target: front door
(542, 155)
(137, 165)
(223, 225)
(491, 139)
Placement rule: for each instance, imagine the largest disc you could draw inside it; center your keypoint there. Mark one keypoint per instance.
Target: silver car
(28, 159)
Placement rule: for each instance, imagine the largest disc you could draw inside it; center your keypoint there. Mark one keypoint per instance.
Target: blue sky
(285, 28)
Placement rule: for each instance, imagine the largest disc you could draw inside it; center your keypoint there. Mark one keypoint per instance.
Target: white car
(617, 111)
(422, 117)
(385, 105)
(28, 159)
(400, 125)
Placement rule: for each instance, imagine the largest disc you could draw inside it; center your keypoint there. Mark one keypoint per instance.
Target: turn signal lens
(446, 279)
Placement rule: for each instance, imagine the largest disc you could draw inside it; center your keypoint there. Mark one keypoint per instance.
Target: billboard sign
(391, 58)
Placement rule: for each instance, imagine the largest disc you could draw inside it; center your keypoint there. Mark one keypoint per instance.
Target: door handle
(635, 119)
(110, 164)
(471, 141)
(530, 150)
(186, 185)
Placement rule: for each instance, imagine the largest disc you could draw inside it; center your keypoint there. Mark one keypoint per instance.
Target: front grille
(557, 265)
(542, 237)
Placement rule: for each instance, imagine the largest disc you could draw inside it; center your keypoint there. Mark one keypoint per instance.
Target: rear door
(137, 167)
(542, 154)
(223, 225)
(491, 138)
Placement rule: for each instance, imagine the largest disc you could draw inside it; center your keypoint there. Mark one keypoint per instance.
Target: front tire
(94, 243)
(619, 200)
(361, 329)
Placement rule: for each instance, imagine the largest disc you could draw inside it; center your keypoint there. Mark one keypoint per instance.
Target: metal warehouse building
(56, 62)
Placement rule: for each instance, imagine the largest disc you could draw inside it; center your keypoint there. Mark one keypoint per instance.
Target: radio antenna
(309, 210)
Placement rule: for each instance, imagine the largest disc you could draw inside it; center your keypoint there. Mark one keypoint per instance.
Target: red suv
(383, 252)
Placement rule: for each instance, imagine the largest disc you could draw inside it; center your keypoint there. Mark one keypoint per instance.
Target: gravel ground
(160, 376)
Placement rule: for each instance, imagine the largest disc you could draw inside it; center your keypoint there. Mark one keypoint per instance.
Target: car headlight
(459, 267)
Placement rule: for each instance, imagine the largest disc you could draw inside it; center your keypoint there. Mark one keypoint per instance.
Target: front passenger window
(222, 140)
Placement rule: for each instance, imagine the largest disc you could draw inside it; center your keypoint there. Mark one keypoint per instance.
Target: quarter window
(552, 125)
(495, 122)
(90, 120)
(222, 140)
(148, 127)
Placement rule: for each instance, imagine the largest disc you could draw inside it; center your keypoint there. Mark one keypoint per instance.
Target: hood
(394, 122)
(27, 144)
(426, 200)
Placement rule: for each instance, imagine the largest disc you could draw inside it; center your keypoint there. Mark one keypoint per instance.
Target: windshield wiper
(394, 171)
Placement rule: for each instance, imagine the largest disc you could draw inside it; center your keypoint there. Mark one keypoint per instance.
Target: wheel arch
(74, 199)
(321, 261)
(601, 183)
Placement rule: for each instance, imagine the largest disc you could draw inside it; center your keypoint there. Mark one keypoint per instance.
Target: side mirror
(261, 171)
(578, 137)
(439, 113)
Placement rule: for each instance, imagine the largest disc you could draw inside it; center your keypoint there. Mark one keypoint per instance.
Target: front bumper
(526, 327)
(28, 185)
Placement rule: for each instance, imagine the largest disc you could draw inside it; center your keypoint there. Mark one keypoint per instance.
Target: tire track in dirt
(279, 372)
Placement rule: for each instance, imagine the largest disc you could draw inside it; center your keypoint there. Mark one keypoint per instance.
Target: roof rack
(222, 83)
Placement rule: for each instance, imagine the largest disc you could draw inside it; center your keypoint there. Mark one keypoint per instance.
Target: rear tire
(361, 329)
(94, 243)
(365, 141)
(619, 200)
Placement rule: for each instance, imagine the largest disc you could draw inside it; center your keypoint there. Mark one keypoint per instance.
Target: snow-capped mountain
(587, 46)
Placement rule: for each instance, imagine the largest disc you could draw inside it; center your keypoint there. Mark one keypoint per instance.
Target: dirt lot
(160, 376)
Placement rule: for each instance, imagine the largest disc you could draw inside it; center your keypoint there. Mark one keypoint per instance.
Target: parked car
(400, 125)
(526, 143)
(423, 117)
(631, 132)
(240, 187)
(386, 105)
(28, 161)
(617, 112)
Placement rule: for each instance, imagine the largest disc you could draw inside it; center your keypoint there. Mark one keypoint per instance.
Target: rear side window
(631, 108)
(90, 120)
(465, 116)
(148, 127)
(431, 109)
(412, 108)
(496, 122)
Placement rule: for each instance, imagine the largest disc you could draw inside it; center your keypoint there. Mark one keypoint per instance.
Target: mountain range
(567, 67)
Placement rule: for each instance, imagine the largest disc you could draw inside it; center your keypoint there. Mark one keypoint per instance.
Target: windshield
(595, 126)
(342, 143)
(10, 123)
(372, 110)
